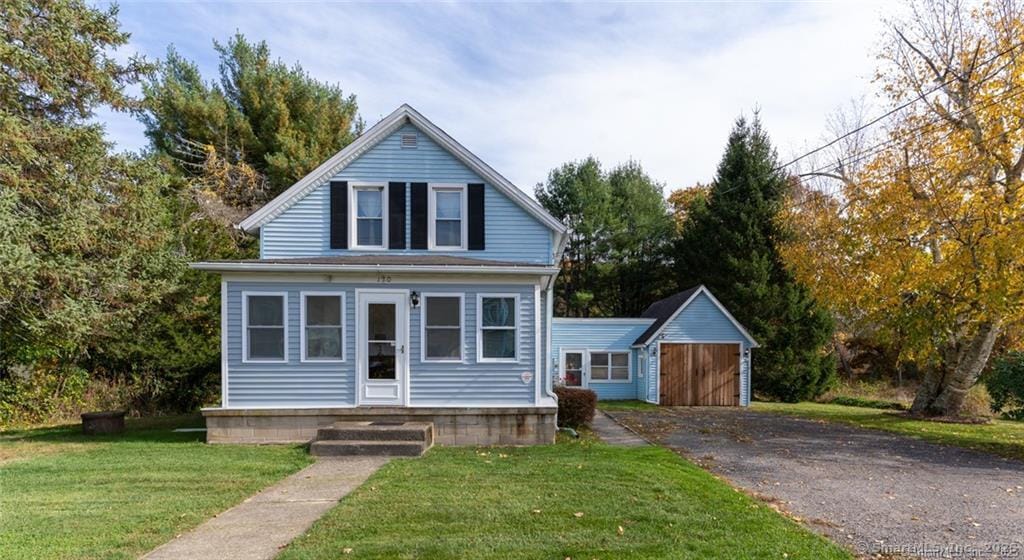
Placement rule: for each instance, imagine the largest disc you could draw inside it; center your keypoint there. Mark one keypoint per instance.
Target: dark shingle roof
(662, 310)
(385, 260)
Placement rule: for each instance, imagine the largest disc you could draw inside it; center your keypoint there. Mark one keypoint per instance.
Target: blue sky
(529, 86)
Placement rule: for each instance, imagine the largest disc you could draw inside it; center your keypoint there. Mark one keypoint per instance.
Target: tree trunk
(943, 389)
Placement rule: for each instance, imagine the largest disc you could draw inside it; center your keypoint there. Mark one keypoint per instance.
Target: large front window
(369, 217)
(265, 338)
(447, 210)
(498, 328)
(323, 327)
(442, 328)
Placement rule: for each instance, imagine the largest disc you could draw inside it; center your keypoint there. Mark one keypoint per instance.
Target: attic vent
(409, 141)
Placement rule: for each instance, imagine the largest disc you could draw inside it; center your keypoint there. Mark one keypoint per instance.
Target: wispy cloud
(529, 86)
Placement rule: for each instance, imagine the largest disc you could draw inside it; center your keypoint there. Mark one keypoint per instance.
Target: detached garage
(686, 350)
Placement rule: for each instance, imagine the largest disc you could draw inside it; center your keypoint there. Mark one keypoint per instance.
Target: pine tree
(729, 244)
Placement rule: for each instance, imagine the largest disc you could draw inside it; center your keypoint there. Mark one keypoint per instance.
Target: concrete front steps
(380, 438)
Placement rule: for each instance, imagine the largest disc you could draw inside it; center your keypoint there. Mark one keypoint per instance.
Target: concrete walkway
(613, 433)
(261, 525)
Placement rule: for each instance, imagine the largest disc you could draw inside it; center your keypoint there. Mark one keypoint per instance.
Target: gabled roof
(665, 310)
(370, 138)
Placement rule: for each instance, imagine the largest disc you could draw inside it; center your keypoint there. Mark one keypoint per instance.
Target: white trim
(718, 304)
(302, 327)
(402, 368)
(536, 344)
(245, 327)
(549, 382)
(242, 266)
(480, 327)
(610, 381)
(462, 328)
(370, 138)
(224, 342)
(353, 219)
(605, 320)
(432, 190)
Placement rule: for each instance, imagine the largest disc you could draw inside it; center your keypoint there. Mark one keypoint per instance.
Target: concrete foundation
(452, 426)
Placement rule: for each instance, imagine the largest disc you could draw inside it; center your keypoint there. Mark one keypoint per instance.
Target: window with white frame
(442, 328)
(369, 216)
(499, 327)
(572, 369)
(323, 330)
(265, 338)
(609, 366)
(447, 217)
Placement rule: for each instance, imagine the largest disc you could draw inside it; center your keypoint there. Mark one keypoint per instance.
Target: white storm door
(382, 347)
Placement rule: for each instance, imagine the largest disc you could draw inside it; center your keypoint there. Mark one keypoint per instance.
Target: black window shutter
(475, 201)
(418, 239)
(339, 215)
(396, 215)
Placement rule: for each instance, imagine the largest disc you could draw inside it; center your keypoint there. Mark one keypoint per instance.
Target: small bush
(868, 403)
(575, 406)
(1005, 383)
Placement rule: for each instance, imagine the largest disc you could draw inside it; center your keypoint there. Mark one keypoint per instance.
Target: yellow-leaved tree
(921, 236)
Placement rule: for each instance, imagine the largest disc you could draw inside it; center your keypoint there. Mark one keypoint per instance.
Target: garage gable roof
(665, 310)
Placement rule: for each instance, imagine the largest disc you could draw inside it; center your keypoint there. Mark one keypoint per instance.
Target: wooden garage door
(700, 374)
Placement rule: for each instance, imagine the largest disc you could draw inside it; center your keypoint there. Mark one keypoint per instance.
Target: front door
(381, 347)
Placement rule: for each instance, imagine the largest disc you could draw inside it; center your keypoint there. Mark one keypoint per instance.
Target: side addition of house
(402, 280)
(685, 350)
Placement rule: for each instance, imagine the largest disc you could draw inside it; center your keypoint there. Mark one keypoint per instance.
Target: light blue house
(685, 350)
(406, 280)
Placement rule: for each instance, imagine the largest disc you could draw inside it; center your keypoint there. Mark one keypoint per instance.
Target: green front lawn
(613, 406)
(1001, 437)
(577, 499)
(65, 495)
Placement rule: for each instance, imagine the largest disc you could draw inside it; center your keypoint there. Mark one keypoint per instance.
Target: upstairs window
(442, 328)
(499, 328)
(369, 217)
(447, 217)
(264, 327)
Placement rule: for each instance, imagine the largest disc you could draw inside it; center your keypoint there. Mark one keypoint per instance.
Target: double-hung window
(264, 327)
(323, 326)
(609, 366)
(447, 224)
(442, 327)
(369, 216)
(498, 324)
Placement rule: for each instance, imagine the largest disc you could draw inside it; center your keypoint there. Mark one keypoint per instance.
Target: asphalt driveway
(879, 493)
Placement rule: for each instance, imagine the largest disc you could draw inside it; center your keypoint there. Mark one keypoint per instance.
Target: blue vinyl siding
(299, 384)
(701, 321)
(606, 336)
(511, 234)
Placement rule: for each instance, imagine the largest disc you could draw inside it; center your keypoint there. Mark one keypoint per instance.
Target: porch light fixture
(414, 299)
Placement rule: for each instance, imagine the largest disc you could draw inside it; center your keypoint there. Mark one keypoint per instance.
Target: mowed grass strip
(576, 499)
(1000, 437)
(65, 495)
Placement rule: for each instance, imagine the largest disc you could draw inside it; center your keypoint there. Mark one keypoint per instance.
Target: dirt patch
(882, 494)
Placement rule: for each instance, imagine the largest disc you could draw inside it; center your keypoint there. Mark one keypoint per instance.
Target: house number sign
(383, 278)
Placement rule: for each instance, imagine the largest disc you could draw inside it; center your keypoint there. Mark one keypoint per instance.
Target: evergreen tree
(640, 241)
(84, 240)
(260, 114)
(578, 194)
(729, 244)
